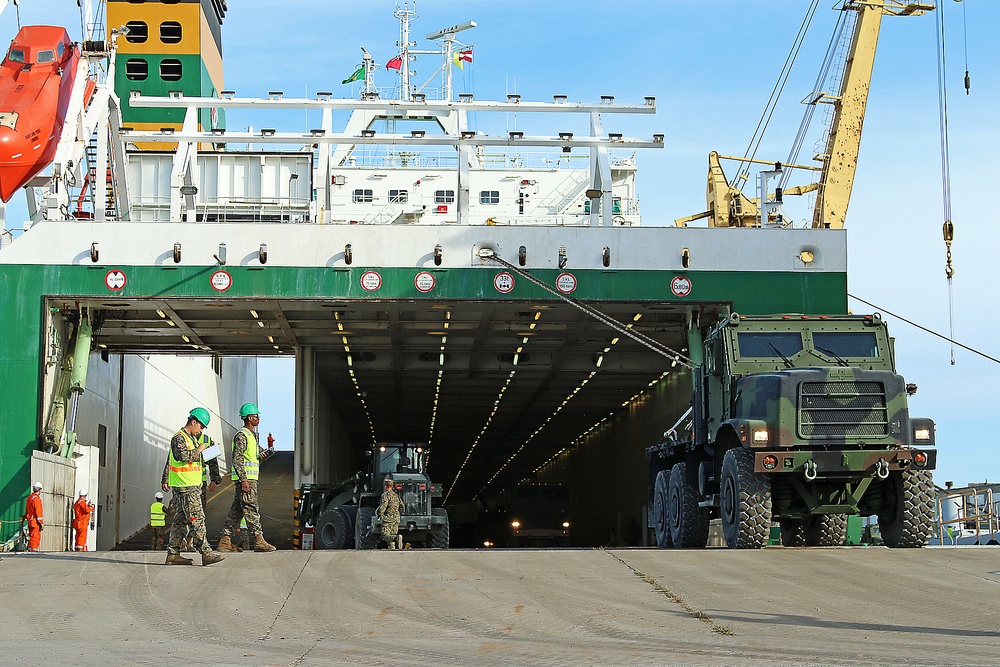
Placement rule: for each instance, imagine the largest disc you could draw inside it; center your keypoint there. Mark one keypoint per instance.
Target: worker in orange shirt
(82, 511)
(33, 515)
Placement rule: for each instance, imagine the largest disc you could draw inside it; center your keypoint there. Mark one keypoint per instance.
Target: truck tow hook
(810, 470)
(882, 469)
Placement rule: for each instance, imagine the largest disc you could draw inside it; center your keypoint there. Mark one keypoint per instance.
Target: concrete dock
(839, 606)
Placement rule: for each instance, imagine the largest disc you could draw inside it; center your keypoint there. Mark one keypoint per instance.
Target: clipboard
(212, 452)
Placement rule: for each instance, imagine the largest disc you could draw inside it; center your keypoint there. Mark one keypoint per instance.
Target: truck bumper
(417, 523)
(862, 463)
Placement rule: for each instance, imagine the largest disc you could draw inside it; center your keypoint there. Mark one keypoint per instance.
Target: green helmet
(248, 409)
(201, 414)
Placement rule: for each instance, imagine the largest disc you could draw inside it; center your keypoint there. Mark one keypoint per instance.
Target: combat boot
(209, 557)
(399, 541)
(178, 559)
(261, 545)
(226, 544)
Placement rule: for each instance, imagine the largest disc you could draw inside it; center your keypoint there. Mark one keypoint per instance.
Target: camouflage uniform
(189, 514)
(213, 476)
(388, 511)
(244, 504)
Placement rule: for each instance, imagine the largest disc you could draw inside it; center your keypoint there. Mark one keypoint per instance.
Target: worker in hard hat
(33, 515)
(389, 509)
(157, 521)
(246, 471)
(210, 479)
(184, 480)
(83, 509)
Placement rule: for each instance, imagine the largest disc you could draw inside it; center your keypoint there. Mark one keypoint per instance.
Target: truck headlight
(515, 524)
(565, 524)
(922, 434)
(760, 437)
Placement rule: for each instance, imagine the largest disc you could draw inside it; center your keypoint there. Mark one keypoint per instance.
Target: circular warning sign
(221, 281)
(504, 282)
(680, 286)
(424, 282)
(370, 281)
(115, 280)
(566, 283)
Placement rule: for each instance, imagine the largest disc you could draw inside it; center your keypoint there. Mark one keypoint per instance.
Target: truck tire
(442, 538)
(661, 522)
(908, 509)
(365, 536)
(745, 501)
(793, 533)
(826, 530)
(333, 530)
(687, 521)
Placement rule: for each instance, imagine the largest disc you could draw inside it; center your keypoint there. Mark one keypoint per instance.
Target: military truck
(527, 515)
(795, 419)
(343, 515)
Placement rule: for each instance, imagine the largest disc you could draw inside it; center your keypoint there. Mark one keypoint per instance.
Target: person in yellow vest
(209, 470)
(184, 479)
(246, 471)
(157, 520)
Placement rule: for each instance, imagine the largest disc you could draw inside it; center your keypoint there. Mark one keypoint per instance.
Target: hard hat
(201, 414)
(159, 495)
(248, 409)
(83, 492)
(36, 485)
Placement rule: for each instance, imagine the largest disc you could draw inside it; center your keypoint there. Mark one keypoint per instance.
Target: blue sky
(711, 65)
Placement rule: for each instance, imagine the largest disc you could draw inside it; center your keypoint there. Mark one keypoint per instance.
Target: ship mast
(405, 14)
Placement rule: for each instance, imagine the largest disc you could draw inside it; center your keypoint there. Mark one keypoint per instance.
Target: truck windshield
(400, 460)
(772, 344)
(847, 343)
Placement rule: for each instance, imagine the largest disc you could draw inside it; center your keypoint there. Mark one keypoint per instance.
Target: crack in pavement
(291, 589)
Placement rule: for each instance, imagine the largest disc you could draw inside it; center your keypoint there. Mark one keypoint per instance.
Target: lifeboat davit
(36, 83)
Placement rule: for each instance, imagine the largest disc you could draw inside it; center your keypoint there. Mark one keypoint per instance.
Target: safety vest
(157, 514)
(251, 465)
(184, 474)
(203, 439)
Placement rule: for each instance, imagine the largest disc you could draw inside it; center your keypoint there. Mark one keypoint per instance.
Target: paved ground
(936, 606)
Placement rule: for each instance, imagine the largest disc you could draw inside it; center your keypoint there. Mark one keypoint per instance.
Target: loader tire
(442, 538)
(334, 530)
(661, 520)
(365, 537)
(745, 501)
(907, 515)
(687, 521)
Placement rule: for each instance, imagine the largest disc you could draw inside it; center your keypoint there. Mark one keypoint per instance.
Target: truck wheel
(908, 509)
(827, 530)
(793, 533)
(440, 539)
(661, 522)
(746, 501)
(365, 536)
(687, 521)
(333, 530)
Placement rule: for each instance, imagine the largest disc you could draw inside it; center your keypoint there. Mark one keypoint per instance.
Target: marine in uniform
(389, 509)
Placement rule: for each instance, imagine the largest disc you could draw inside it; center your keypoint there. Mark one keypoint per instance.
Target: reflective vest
(157, 514)
(203, 439)
(184, 474)
(251, 464)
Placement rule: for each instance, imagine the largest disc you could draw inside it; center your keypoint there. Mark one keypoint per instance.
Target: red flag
(465, 55)
(396, 63)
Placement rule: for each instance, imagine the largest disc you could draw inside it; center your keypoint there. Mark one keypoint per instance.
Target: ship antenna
(405, 14)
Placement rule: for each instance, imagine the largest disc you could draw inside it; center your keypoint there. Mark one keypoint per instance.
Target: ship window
(444, 196)
(138, 32)
(363, 196)
(616, 205)
(136, 69)
(170, 32)
(489, 197)
(16, 56)
(846, 343)
(46, 56)
(770, 345)
(398, 196)
(171, 70)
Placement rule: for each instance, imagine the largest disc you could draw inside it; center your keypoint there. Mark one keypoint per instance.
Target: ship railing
(977, 514)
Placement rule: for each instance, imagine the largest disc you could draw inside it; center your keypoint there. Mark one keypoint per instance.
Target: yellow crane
(727, 206)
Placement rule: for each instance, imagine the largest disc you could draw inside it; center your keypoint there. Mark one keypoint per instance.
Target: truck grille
(838, 409)
(415, 501)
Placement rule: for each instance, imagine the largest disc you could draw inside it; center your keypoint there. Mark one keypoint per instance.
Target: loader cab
(398, 459)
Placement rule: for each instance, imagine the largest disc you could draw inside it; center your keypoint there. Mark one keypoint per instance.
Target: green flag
(359, 75)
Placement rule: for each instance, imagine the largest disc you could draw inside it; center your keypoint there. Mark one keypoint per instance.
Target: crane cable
(948, 229)
(623, 329)
(925, 329)
(965, 40)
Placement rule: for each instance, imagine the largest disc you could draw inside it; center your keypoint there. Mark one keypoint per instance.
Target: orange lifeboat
(36, 82)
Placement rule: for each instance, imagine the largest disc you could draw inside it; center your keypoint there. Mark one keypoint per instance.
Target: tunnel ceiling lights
(440, 375)
(493, 412)
(354, 378)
